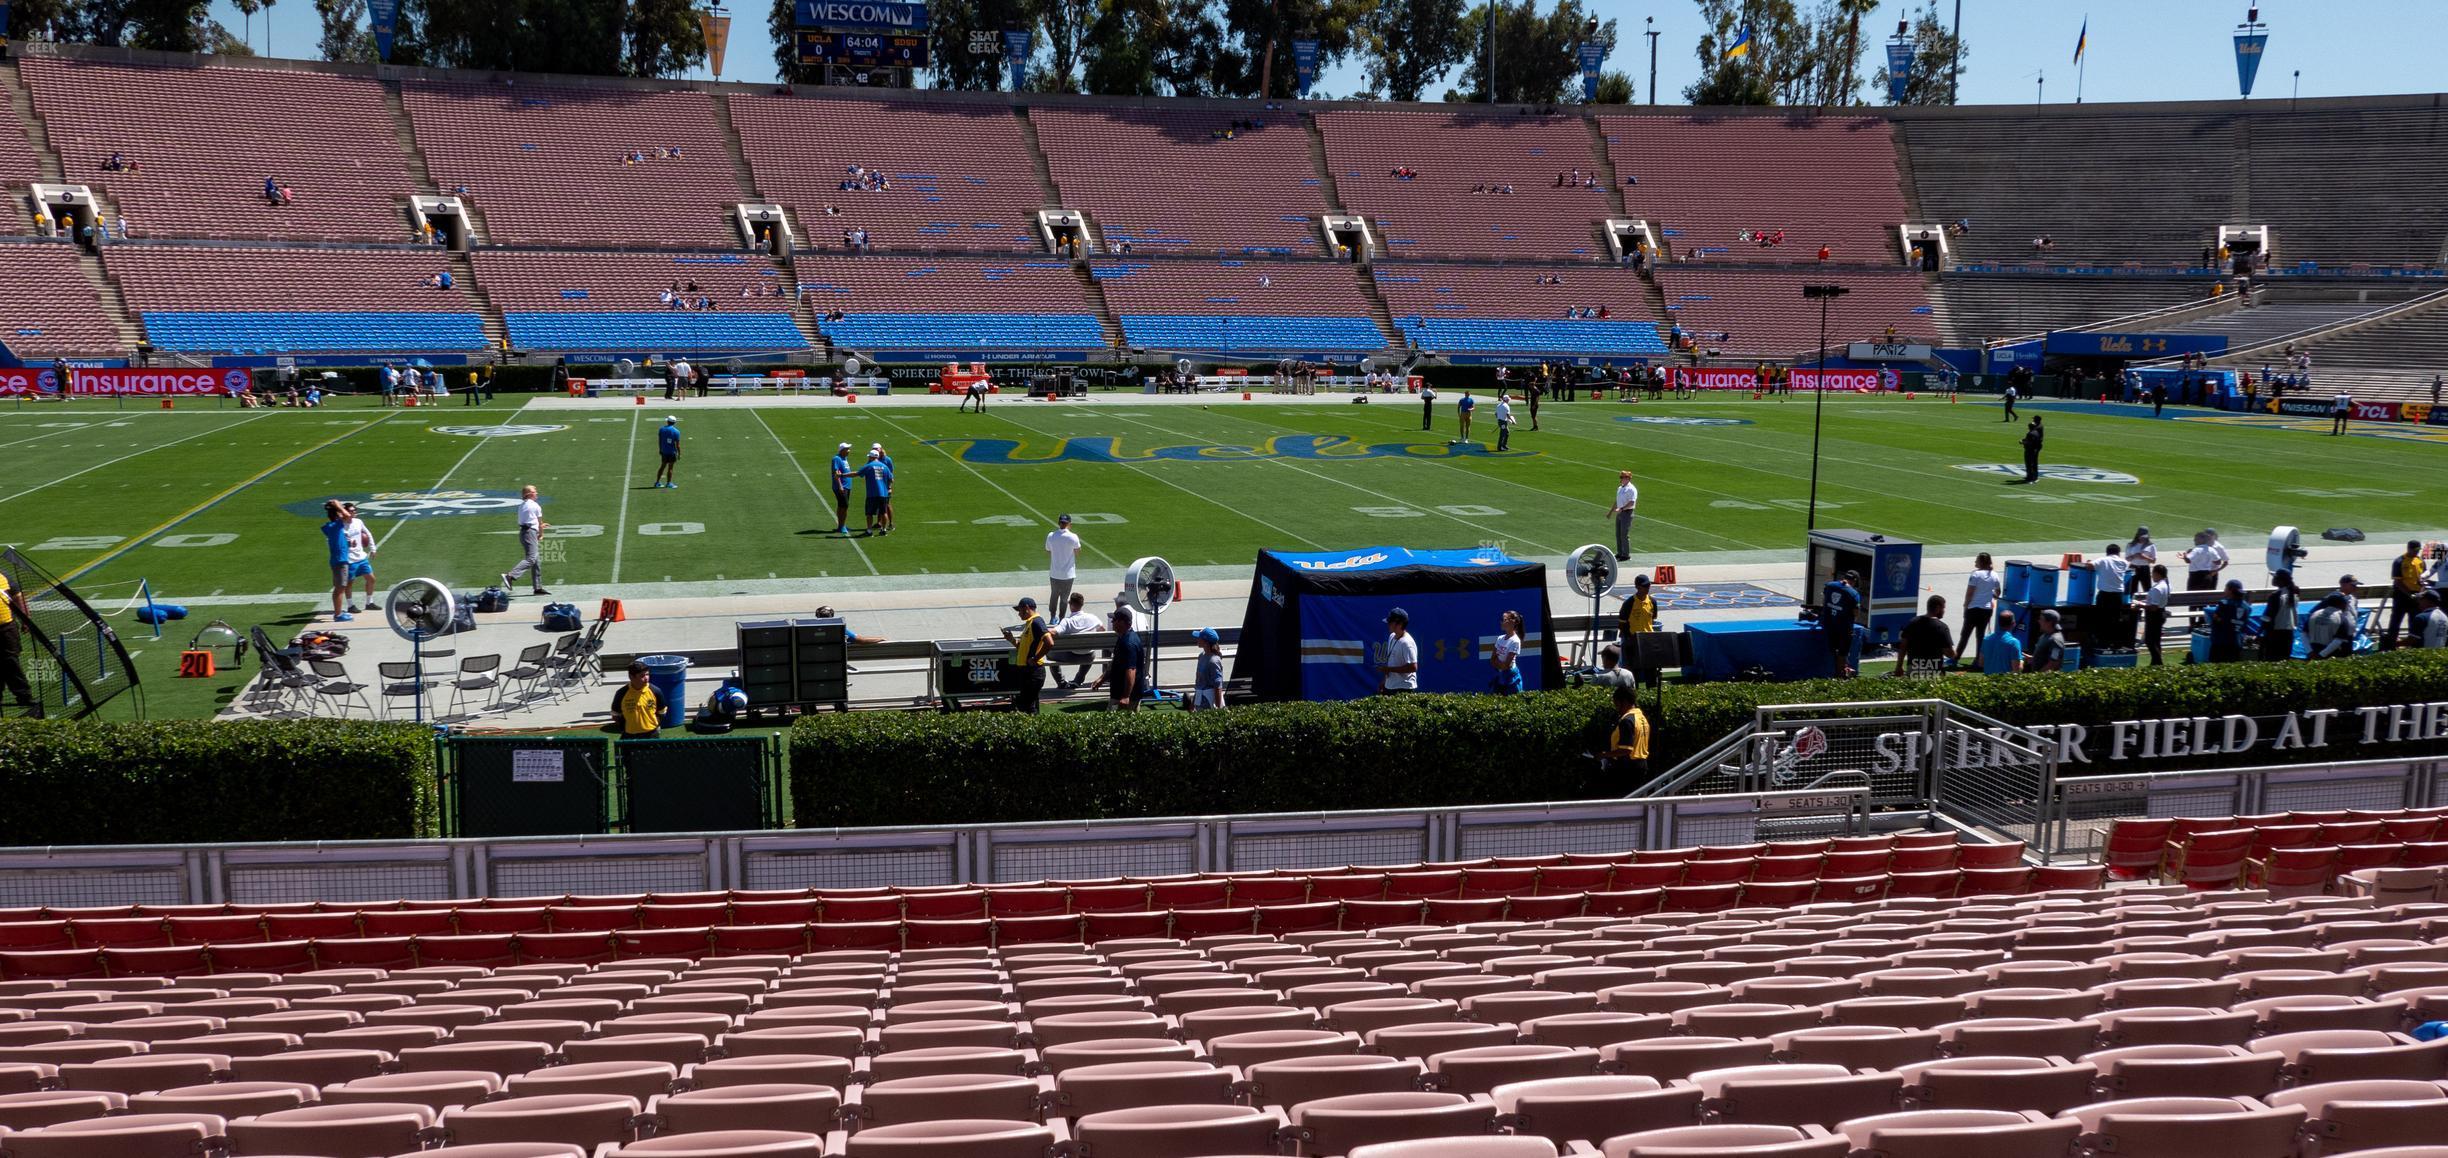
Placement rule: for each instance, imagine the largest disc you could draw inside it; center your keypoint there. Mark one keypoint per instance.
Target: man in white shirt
(361, 549)
(1062, 560)
(2108, 596)
(1080, 621)
(2203, 562)
(2341, 408)
(1504, 421)
(1627, 498)
(1427, 398)
(1399, 671)
(531, 527)
(681, 372)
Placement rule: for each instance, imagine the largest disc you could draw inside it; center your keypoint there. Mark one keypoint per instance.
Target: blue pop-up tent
(1315, 628)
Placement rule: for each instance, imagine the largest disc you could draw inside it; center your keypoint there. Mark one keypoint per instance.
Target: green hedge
(195, 781)
(892, 768)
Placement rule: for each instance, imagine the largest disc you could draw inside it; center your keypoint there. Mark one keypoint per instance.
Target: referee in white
(531, 527)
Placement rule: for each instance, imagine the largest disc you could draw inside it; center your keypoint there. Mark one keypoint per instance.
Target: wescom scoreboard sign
(861, 33)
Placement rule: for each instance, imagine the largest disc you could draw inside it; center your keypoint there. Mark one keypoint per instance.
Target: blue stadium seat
(963, 332)
(1244, 334)
(1562, 339)
(655, 330)
(245, 332)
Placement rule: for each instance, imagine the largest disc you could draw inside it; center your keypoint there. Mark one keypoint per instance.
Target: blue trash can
(668, 676)
(2040, 590)
(2018, 580)
(2081, 586)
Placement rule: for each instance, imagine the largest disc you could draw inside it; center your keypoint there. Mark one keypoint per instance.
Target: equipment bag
(493, 599)
(318, 644)
(562, 617)
(463, 617)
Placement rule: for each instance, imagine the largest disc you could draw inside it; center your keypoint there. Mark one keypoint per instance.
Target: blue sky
(2140, 50)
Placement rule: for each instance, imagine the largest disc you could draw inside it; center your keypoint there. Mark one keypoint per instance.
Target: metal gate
(1908, 754)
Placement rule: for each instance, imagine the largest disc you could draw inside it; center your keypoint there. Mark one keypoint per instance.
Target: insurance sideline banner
(1741, 378)
(159, 382)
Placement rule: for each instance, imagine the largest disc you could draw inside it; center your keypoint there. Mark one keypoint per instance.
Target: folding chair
(528, 673)
(476, 674)
(400, 681)
(337, 691)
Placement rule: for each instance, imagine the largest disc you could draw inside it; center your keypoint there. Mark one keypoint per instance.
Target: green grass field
(221, 505)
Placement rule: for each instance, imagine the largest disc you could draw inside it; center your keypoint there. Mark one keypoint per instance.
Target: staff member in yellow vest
(1627, 753)
(1031, 641)
(12, 662)
(636, 707)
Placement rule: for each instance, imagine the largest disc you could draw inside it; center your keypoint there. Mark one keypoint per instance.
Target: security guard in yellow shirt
(636, 707)
(1627, 753)
(1640, 613)
(12, 662)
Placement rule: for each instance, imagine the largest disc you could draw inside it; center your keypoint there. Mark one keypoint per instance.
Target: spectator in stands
(2042, 244)
(1962, 226)
(2001, 652)
(2279, 615)
(271, 190)
(1826, 253)
(1627, 753)
(2048, 649)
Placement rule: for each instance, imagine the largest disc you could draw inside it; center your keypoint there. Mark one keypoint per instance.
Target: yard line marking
(1090, 547)
(216, 500)
(1144, 472)
(1482, 528)
(123, 458)
(507, 419)
(1399, 427)
(821, 495)
(620, 529)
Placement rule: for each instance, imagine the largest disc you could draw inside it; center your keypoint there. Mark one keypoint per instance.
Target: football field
(220, 506)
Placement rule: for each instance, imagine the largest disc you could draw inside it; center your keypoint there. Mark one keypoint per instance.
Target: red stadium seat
(604, 918)
(41, 965)
(207, 930)
(1268, 890)
(949, 934)
(961, 905)
(698, 916)
(1625, 902)
(365, 953)
(1871, 887)
(1983, 882)
(2048, 878)
(1420, 886)
(481, 950)
(1463, 911)
(2207, 860)
(1499, 882)
(1928, 858)
(1020, 902)
(1702, 898)
(1718, 871)
(157, 961)
(2136, 847)
(1786, 868)
(859, 910)
(691, 943)
(1842, 862)
(1573, 878)
(1109, 898)
(1983, 856)
(119, 932)
(1126, 926)
(1930, 884)
(855, 935)
(737, 940)
(1647, 875)
(1204, 894)
(1351, 887)
(311, 926)
(1379, 914)
(35, 935)
(1277, 920)
(1189, 923)
(1778, 894)
(261, 957)
(518, 920)
(1050, 929)
(1545, 908)
(589, 948)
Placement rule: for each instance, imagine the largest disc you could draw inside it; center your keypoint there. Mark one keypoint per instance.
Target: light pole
(1825, 294)
(2291, 97)
(1650, 23)
(2040, 94)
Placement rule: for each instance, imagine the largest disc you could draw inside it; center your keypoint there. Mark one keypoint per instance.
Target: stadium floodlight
(418, 610)
(1825, 293)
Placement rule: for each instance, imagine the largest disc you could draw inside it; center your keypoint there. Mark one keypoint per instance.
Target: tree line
(1797, 52)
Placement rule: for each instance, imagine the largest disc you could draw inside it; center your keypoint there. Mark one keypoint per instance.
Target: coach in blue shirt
(841, 489)
(667, 440)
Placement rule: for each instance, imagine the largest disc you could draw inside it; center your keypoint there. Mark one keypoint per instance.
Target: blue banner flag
(2248, 58)
(1900, 55)
(1016, 56)
(1304, 64)
(384, 15)
(1593, 58)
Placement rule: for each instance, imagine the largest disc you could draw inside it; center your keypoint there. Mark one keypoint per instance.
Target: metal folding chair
(337, 691)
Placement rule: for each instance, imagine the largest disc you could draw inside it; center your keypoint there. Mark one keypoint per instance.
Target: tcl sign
(2376, 411)
(158, 382)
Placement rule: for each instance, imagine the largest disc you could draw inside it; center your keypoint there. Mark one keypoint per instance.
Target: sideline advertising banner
(159, 382)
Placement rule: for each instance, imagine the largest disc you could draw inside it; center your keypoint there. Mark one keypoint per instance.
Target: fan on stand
(1147, 586)
(2285, 547)
(1591, 572)
(419, 610)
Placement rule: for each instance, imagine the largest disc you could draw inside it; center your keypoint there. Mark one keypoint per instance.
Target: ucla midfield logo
(1104, 448)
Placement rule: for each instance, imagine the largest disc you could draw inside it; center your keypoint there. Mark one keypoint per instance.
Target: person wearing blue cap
(1208, 691)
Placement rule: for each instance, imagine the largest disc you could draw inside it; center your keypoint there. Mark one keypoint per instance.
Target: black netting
(73, 658)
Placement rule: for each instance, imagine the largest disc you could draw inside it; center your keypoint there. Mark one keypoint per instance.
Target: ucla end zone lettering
(879, 16)
(1009, 452)
(416, 504)
(2097, 345)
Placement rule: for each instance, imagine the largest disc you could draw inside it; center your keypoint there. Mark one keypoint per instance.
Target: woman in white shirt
(2154, 610)
(2142, 555)
(1506, 658)
(1980, 602)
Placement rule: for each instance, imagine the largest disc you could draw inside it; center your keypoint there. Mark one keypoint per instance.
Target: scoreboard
(861, 49)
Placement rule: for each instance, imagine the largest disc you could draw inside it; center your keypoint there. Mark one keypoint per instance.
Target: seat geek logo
(415, 504)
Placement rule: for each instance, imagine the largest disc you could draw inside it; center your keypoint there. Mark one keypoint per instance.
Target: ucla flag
(1742, 43)
(2082, 39)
